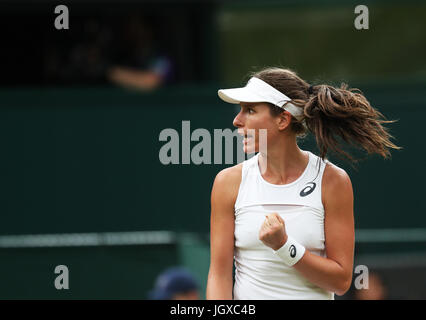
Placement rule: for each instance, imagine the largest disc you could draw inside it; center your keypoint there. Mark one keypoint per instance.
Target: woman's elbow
(343, 286)
(219, 287)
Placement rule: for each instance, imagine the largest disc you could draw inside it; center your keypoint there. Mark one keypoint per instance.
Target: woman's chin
(249, 149)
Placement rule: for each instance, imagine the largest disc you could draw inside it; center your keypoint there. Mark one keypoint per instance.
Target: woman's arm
(224, 194)
(333, 273)
(140, 79)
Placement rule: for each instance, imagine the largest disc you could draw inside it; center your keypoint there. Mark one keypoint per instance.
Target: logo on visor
(310, 187)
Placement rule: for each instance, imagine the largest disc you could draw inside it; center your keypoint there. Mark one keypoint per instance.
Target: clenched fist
(272, 233)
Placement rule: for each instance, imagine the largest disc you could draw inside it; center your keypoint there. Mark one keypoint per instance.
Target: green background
(86, 160)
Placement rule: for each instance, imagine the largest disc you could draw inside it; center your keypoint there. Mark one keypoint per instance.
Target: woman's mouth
(247, 138)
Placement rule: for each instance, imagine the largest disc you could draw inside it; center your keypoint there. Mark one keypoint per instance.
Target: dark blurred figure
(140, 64)
(80, 57)
(124, 49)
(175, 283)
(376, 289)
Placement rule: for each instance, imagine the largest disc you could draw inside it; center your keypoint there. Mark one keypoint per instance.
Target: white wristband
(291, 252)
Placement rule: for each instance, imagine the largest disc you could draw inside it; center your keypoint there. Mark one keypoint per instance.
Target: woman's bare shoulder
(335, 181)
(230, 175)
(227, 182)
(334, 174)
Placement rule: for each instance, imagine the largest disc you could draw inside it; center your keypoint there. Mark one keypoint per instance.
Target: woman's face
(250, 120)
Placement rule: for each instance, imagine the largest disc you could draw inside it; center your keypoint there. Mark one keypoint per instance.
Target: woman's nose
(238, 121)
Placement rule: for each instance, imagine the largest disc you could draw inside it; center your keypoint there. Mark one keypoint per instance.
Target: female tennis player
(286, 215)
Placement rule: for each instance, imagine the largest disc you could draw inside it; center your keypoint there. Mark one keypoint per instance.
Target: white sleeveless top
(259, 273)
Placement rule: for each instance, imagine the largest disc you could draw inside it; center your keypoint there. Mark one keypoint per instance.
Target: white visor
(258, 90)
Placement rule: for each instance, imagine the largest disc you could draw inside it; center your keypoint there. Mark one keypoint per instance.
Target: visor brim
(237, 95)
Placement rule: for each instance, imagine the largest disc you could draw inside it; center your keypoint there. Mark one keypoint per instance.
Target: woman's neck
(283, 163)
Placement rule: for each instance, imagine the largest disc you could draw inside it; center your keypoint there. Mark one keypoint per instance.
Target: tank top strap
(247, 170)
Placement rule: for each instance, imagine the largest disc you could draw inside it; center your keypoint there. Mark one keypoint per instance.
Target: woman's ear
(283, 120)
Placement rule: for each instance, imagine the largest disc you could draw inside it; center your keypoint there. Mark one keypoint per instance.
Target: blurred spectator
(376, 289)
(175, 283)
(124, 50)
(82, 59)
(141, 65)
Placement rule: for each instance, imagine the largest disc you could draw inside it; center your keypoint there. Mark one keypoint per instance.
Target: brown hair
(331, 113)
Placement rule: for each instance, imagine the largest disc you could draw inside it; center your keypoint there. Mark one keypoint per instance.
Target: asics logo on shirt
(310, 187)
(292, 250)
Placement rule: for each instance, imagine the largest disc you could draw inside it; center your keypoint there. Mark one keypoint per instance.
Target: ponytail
(332, 113)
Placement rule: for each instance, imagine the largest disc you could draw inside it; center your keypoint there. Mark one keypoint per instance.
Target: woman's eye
(250, 111)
